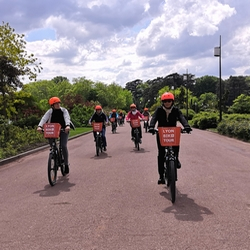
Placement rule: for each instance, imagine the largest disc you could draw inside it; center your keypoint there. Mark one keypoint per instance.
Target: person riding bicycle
(121, 117)
(167, 115)
(58, 114)
(99, 116)
(115, 116)
(146, 115)
(134, 114)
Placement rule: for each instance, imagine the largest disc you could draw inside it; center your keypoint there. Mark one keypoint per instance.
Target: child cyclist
(167, 115)
(99, 116)
(134, 114)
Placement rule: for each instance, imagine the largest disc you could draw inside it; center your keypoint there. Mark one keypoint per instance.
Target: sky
(118, 41)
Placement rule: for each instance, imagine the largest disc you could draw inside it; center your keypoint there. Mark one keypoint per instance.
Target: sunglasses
(167, 101)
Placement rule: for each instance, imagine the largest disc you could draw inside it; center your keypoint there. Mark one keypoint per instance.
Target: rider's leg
(94, 134)
(140, 133)
(176, 151)
(64, 141)
(132, 133)
(104, 141)
(160, 158)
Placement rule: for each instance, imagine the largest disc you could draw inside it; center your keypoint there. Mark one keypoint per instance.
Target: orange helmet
(132, 106)
(167, 96)
(113, 110)
(54, 100)
(145, 109)
(98, 107)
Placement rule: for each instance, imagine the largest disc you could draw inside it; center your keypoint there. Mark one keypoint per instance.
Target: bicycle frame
(99, 143)
(137, 139)
(55, 161)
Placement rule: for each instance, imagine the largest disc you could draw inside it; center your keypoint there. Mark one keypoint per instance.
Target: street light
(188, 77)
(217, 52)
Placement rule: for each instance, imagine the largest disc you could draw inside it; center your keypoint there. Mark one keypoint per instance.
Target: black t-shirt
(57, 117)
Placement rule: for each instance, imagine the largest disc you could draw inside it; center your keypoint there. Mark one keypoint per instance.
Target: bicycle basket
(169, 136)
(97, 126)
(51, 130)
(112, 119)
(135, 123)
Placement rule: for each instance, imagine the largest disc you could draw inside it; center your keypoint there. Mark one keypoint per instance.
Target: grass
(78, 131)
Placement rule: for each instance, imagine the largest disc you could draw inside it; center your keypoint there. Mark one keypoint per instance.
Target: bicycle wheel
(52, 169)
(97, 145)
(113, 128)
(146, 127)
(101, 144)
(172, 180)
(137, 144)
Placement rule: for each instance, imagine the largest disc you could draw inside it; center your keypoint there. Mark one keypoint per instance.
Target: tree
(207, 101)
(241, 105)
(14, 62)
(9, 82)
(12, 46)
(58, 79)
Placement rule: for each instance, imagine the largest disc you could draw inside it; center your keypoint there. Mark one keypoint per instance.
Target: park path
(113, 201)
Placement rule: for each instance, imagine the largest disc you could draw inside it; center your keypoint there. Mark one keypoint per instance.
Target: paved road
(113, 201)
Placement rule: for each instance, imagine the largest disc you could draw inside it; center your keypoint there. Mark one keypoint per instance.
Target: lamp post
(188, 77)
(185, 78)
(217, 52)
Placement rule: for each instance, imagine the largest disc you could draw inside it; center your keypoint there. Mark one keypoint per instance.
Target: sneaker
(178, 165)
(161, 181)
(66, 169)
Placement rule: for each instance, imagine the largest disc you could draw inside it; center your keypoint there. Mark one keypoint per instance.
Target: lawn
(78, 131)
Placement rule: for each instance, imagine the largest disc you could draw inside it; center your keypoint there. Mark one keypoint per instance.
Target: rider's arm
(182, 119)
(45, 118)
(91, 119)
(128, 116)
(66, 117)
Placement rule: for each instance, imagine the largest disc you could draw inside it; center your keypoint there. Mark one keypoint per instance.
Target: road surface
(113, 201)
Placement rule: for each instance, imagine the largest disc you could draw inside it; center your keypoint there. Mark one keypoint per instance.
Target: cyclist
(146, 114)
(58, 114)
(113, 114)
(99, 116)
(167, 115)
(121, 117)
(134, 114)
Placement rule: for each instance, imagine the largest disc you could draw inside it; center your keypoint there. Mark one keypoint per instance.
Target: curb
(19, 156)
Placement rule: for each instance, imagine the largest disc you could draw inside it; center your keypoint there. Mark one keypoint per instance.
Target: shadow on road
(62, 185)
(102, 155)
(185, 209)
(142, 150)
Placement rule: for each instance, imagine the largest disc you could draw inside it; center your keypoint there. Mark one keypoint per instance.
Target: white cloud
(111, 40)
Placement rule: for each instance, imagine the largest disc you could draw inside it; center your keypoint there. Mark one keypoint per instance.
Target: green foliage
(205, 120)
(15, 140)
(80, 115)
(207, 101)
(205, 84)
(241, 105)
(237, 126)
(13, 46)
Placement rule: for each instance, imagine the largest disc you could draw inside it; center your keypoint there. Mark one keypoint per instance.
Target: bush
(14, 139)
(204, 120)
(235, 125)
